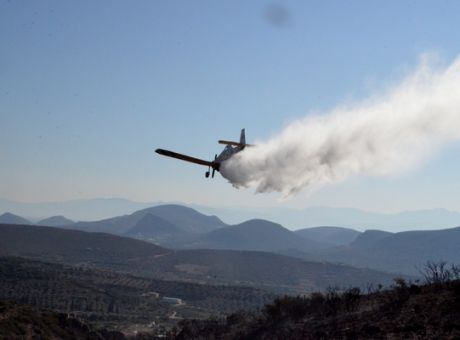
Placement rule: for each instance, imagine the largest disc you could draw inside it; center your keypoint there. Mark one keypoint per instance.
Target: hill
(329, 236)
(184, 218)
(73, 246)
(257, 235)
(279, 273)
(404, 252)
(406, 311)
(159, 231)
(369, 238)
(55, 221)
(9, 218)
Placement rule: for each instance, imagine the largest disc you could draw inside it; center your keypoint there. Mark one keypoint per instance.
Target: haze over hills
(97, 209)
(358, 219)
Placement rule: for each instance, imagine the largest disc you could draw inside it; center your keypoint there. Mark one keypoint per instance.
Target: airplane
(231, 149)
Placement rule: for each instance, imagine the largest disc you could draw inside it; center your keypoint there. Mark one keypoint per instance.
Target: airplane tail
(242, 138)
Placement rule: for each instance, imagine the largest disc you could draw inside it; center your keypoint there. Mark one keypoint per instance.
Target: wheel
(207, 174)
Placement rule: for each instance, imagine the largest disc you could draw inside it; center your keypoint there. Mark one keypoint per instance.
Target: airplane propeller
(214, 169)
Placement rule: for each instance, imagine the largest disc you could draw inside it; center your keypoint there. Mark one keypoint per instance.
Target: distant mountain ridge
(184, 218)
(98, 209)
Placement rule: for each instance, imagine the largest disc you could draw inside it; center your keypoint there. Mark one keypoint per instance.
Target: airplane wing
(183, 157)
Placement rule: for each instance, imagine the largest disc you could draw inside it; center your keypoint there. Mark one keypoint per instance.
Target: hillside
(406, 311)
(259, 269)
(72, 246)
(105, 251)
(256, 235)
(157, 230)
(25, 322)
(9, 218)
(329, 236)
(106, 298)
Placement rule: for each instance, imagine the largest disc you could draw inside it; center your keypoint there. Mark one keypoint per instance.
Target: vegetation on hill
(406, 311)
(117, 300)
(278, 273)
(25, 322)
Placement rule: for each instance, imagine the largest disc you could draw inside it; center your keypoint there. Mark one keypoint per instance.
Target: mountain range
(179, 227)
(97, 209)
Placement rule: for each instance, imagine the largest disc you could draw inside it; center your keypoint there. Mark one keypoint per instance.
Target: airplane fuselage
(226, 154)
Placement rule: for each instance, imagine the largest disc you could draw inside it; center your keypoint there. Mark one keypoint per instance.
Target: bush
(438, 273)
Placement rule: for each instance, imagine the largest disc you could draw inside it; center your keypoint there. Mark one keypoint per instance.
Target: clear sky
(88, 90)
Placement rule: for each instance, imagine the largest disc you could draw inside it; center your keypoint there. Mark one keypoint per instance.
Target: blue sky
(89, 89)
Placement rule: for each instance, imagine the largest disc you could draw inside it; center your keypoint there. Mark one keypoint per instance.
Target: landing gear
(206, 174)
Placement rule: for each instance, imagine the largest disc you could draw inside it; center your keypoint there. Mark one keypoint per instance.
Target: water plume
(383, 135)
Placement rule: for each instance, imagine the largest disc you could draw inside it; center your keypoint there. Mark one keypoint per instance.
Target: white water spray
(384, 135)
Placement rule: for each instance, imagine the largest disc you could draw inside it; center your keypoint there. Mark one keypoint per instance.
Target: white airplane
(230, 149)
